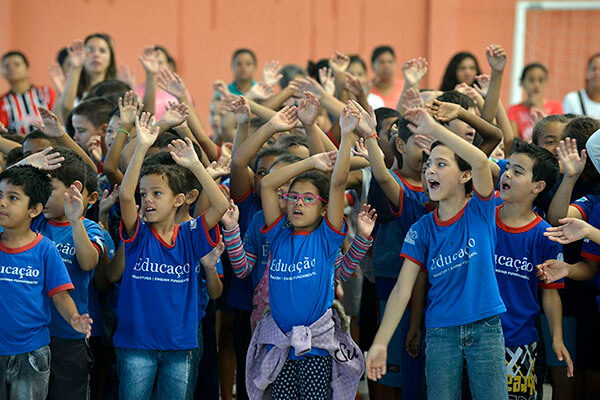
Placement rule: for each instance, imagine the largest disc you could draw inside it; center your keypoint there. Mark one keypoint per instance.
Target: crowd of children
(321, 229)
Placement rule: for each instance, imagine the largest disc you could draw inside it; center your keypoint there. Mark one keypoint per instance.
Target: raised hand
(367, 124)
(240, 109)
(147, 130)
(271, 75)
(571, 162)
(82, 324)
(360, 149)
(376, 362)
(571, 230)
(412, 98)
(149, 60)
(424, 142)
(414, 70)
(421, 122)
(50, 125)
(310, 85)
(57, 76)
(209, 261)
(76, 53)
(552, 270)
(231, 217)
(324, 161)
(128, 109)
(353, 84)
(171, 83)
(483, 81)
(176, 114)
(308, 109)
(339, 62)
(349, 119)
(108, 200)
(94, 146)
(43, 160)
(285, 119)
(260, 91)
(536, 115)
(220, 87)
(365, 221)
(73, 204)
(126, 74)
(183, 153)
(219, 169)
(496, 57)
(327, 81)
(444, 112)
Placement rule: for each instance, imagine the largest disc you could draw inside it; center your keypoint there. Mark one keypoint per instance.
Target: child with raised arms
(157, 314)
(455, 246)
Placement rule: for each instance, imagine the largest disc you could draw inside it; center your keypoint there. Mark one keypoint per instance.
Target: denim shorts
(25, 376)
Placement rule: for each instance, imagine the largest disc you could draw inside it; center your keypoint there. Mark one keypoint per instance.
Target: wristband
(373, 136)
(123, 131)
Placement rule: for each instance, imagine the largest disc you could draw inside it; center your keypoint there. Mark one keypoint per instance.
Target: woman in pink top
(524, 116)
(386, 89)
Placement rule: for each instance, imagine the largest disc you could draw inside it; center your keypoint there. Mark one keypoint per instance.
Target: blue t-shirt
(29, 277)
(61, 234)
(301, 274)
(591, 250)
(586, 204)
(518, 251)
(158, 300)
(255, 243)
(94, 307)
(203, 297)
(458, 255)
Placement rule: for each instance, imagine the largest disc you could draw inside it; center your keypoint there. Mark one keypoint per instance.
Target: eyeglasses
(307, 198)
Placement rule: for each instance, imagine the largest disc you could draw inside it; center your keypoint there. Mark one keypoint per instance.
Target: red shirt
(520, 113)
(19, 110)
(390, 100)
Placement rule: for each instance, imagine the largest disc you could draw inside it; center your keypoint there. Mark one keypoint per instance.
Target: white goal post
(520, 39)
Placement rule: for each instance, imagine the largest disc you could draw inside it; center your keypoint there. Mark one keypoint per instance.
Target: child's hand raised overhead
(571, 163)
(360, 149)
(308, 109)
(129, 108)
(536, 115)
(367, 124)
(219, 169)
(327, 81)
(366, 221)
(285, 119)
(176, 115)
(414, 70)
(421, 122)
(231, 217)
(412, 98)
(50, 125)
(220, 87)
(445, 112)
(57, 76)
(43, 160)
(209, 261)
(183, 153)
(126, 74)
(149, 60)
(82, 324)
(240, 109)
(424, 142)
(271, 75)
(73, 204)
(147, 130)
(171, 83)
(94, 146)
(324, 161)
(76, 53)
(260, 91)
(108, 200)
(339, 62)
(349, 119)
(483, 81)
(353, 85)
(496, 57)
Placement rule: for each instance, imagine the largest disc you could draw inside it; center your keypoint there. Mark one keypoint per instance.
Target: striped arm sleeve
(346, 265)
(241, 262)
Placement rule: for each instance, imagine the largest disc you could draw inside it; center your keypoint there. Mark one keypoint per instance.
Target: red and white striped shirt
(19, 110)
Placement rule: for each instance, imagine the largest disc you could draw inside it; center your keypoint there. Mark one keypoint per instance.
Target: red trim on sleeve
(590, 256)
(206, 231)
(555, 285)
(98, 248)
(266, 229)
(577, 206)
(61, 288)
(350, 199)
(330, 136)
(244, 196)
(218, 153)
(121, 231)
(420, 264)
(344, 223)
(424, 270)
(484, 198)
(15, 250)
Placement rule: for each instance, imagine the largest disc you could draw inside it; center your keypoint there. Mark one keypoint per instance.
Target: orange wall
(201, 34)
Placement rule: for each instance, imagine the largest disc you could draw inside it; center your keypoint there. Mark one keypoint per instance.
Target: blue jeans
(25, 376)
(138, 368)
(195, 361)
(481, 343)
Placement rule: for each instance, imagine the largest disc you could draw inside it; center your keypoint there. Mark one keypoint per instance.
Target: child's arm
(308, 110)
(496, 57)
(147, 132)
(214, 286)
(242, 262)
(504, 123)
(396, 305)
(241, 112)
(149, 60)
(270, 183)
(87, 255)
(413, 70)
(553, 270)
(6, 145)
(42, 160)
(128, 109)
(183, 153)
(553, 310)
(349, 120)
(115, 269)
(77, 58)
(352, 84)
(346, 265)
(491, 134)
(385, 179)
(572, 165)
(51, 127)
(413, 336)
(241, 180)
(100, 279)
(67, 309)
(572, 230)
(175, 115)
(106, 203)
(424, 124)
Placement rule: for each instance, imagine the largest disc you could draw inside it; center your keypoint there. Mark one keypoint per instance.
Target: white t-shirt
(375, 101)
(571, 104)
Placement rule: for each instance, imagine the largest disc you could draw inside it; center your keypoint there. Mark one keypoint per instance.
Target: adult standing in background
(586, 101)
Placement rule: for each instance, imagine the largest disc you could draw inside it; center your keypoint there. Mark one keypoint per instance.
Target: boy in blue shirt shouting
(31, 273)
